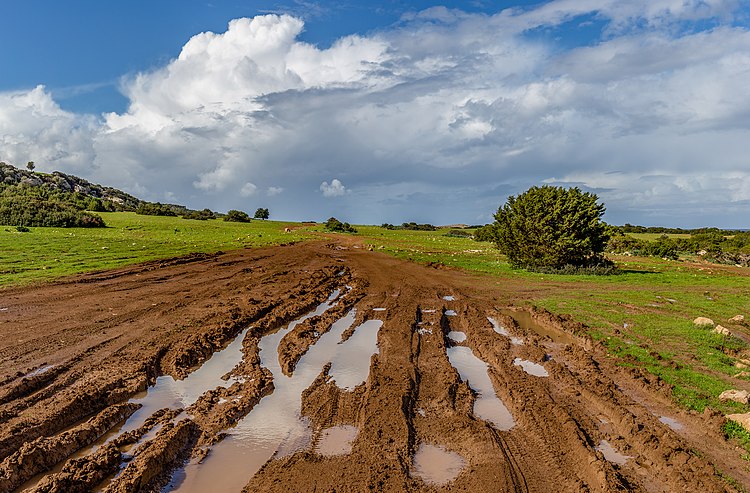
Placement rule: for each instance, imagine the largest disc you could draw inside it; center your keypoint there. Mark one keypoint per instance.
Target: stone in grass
(722, 330)
(735, 395)
(742, 419)
(738, 319)
(703, 321)
(742, 374)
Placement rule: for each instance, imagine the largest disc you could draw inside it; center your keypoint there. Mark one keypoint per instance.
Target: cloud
(335, 189)
(248, 189)
(436, 119)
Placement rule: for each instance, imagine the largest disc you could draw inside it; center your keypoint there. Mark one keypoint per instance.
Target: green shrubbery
(334, 224)
(411, 226)
(30, 211)
(552, 228)
(237, 216)
(203, 215)
(155, 209)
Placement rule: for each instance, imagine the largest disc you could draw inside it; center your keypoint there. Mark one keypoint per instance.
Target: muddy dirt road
(325, 367)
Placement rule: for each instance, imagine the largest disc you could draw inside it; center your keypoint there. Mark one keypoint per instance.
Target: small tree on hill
(334, 224)
(261, 213)
(551, 227)
(30, 166)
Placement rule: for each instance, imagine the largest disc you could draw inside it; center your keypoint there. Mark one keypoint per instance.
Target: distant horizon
(393, 111)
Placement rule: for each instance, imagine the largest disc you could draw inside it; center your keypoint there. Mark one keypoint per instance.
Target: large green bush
(552, 227)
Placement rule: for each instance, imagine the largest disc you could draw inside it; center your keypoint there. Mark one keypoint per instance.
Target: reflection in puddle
(671, 422)
(456, 336)
(378, 309)
(350, 368)
(611, 454)
(435, 465)
(274, 428)
(516, 341)
(473, 370)
(449, 298)
(531, 368)
(526, 321)
(428, 311)
(337, 440)
(451, 313)
(39, 371)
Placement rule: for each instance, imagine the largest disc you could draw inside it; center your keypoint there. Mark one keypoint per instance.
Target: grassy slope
(644, 315)
(47, 253)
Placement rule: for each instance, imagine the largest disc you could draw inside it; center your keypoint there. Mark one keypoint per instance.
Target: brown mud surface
(74, 353)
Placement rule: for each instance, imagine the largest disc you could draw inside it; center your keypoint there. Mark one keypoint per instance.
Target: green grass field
(48, 253)
(643, 315)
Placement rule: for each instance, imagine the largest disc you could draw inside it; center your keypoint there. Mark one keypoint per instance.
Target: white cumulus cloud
(335, 189)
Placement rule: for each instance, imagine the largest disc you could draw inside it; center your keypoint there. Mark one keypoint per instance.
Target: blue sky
(387, 111)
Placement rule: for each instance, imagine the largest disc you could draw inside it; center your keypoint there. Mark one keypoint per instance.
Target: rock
(740, 365)
(735, 395)
(743, 419)
(703, 321)
(719, 329)
(742, 374)
(738, 319)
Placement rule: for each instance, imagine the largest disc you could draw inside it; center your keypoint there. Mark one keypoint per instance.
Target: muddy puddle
(336, 440)
(450, 313)
(487, 405)
(500, 329)
(672, 423)
(531, 368)
(274, 428)
(449, 298)
(526, 321)
(612, 455)
(456, 336)
(435, 465)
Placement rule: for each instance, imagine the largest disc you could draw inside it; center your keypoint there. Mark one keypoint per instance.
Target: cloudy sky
(387, 111)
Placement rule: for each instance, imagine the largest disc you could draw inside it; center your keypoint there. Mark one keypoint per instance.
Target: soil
(74, 352)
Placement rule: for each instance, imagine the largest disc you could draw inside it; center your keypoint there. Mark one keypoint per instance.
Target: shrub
(237, 216)
(155, 209)
(551, 227)
(485, 233)
(203, 215)
(334, 224)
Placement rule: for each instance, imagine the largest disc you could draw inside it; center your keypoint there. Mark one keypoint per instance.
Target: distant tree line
(412, 226)
(22, 205)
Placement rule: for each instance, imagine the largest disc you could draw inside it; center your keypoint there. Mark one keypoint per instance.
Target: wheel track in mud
(557, 418)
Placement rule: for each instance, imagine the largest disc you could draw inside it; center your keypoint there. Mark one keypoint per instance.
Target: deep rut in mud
(323, 367)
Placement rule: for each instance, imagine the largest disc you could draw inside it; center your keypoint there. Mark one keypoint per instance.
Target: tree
(30, 166)
(334, 224)
(261, 213)
(552, 227)
(237, 216)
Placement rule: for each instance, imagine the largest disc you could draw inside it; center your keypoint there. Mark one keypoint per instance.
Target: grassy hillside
(47, 253)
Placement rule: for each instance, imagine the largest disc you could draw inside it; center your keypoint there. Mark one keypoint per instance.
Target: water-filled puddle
(527, 322)
(449, 298)
(450, 313)
(39, 371)
(611, 454)
(500, 329)
(473, 370)
(378, 309)
(456, 336)
(435, 465)
(336, 440)
(671, 422)
(274, 428)
(531, 368)
(350, 368)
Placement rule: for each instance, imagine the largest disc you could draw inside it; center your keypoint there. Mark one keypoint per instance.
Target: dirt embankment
(73, 353)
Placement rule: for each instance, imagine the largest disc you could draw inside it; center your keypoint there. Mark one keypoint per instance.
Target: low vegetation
(236, 216)
(337, 226)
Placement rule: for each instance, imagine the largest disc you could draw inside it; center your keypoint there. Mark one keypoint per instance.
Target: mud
(77, 356)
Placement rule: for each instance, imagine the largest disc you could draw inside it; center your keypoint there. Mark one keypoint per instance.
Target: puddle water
(671, 422)
(350, 368)
(378, 309)
(337, 440)
(456, 336)
(39, 371)
(435, 465)
(428, 311)
(473, 370)
(449, 298)
(516, 341)
(611, 454)
(451, 313)
(274, 428)
(531, 368)
(527, 322)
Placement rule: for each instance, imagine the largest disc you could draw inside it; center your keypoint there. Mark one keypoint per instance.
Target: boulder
(735, 395)
(719, 329)
(742, 374)
(743, 419)
(738, 319)
(703, 321)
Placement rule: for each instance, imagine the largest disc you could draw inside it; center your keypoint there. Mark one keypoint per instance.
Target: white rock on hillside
(735, 395)
(703, 321)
